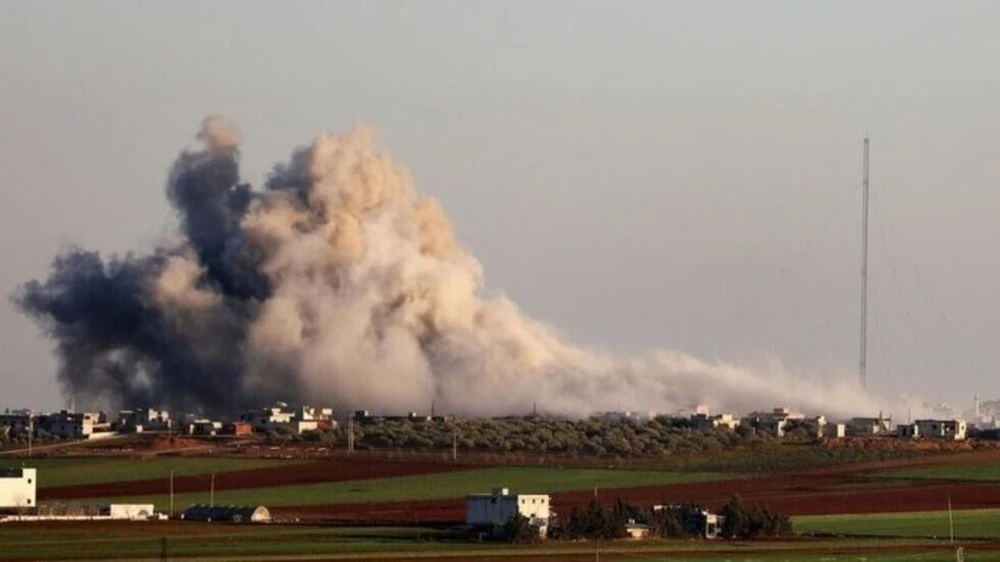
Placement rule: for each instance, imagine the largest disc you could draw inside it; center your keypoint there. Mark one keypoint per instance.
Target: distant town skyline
(678, 175)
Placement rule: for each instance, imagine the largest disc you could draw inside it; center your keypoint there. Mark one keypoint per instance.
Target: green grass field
(435, 486)
(968, 524)
(106, 541)
(980, 471)
(68, 471)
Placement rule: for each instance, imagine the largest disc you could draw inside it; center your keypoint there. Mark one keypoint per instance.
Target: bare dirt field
(339, 470)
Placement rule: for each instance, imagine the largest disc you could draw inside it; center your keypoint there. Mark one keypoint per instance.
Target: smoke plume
(338, 282)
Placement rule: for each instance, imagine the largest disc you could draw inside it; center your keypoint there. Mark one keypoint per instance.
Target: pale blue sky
(638, 174)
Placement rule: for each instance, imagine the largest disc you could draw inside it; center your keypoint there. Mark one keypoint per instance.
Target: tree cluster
(600, 523)
(741, 523)
(20, 440)
(591, 437)
(519, 530)
(671, 521)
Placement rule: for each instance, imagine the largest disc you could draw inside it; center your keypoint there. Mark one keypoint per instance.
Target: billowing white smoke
(374, 304)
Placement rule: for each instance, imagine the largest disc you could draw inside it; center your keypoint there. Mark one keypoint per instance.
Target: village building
(280, 416)
(72, 425)
(952, 430)
(237, 429)
(636, 531)
(705, 421)
(18, 489)
(866, 427)
(143, 419)
(698, 520)
(204, 427)
(227, 513)
(499, 506)
(774, 422)
(130, 511)
(835, 430)
(14, 424)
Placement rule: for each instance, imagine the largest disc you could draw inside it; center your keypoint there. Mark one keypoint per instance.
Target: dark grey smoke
(117, 346)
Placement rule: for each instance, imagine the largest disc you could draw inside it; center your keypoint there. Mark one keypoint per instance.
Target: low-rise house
(227, 513)
(636, 531)
(815, 427)
(279, 416)
(130, 511)
(952, 430)
(908, 431)
(864, 427)
(705, 421)
(774, 422)
(835, 430)
(70, 425)
(204, 427)
(237, 429)
(697, 520)
(15, 424)
(492, 510)
(18, 489)
(143, 419)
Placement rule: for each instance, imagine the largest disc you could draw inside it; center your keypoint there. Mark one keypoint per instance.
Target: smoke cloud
(338, 282)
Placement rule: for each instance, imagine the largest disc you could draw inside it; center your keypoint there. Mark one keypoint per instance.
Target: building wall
(942, 429)
(131, 511)
(490, 509)
(16, 424)
(17, 488)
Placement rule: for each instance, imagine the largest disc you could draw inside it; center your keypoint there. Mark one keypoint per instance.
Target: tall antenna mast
(863, 366)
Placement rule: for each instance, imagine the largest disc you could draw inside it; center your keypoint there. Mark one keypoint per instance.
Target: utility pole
(350, 434)
(951, 522)
(171, 493)
(863, 366)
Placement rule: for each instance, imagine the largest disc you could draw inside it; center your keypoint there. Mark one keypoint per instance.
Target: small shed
(238, 429)
(635, 530)
(130, 511)
(227, 513)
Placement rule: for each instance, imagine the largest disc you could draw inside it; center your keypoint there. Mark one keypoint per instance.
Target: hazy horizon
(638, 175)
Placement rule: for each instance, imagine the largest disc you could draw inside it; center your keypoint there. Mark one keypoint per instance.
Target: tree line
(592, 437)
(670, 521)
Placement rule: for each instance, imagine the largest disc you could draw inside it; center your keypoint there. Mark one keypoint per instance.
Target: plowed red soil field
(829, 491)
(339, 470)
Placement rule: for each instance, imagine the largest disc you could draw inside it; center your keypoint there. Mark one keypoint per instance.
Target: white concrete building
(497, 507)
(299, 420)
(882, 425)
(204, 427)
(68, 425)
(144, 419)
(17, 488)
(705, 421)
(773, 422)
(272, 417)
(132, 511)
(952, 430)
